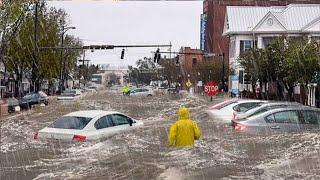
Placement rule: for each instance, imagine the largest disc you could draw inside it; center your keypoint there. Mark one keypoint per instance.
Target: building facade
(248, 26)
(215, 11)
(188, 60)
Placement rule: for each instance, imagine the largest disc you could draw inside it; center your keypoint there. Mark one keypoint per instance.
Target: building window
(232, 48)
(194, 61)
(247, 44)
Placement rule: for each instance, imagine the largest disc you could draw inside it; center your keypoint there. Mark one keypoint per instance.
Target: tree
(12, 13)
(301, 63)
(21, 48)
(144, 72)
(209, 71)
(170, 71)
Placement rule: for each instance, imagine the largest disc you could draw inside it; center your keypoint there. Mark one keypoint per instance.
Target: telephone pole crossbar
(103, 46)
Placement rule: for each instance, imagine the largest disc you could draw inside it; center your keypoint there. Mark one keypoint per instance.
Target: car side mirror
(130, 122)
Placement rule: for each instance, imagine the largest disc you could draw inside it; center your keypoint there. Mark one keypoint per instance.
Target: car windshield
(71, 122)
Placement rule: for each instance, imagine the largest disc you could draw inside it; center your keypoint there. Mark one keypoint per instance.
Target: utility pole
(62, 64)
(35, 58)
(223, 79)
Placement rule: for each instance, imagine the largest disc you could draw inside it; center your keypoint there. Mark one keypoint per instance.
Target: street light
(63, 31)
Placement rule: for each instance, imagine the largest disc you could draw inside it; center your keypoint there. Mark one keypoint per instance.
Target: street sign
(188, 83)
(211, 88)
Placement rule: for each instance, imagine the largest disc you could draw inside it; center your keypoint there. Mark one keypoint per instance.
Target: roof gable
(269, 23)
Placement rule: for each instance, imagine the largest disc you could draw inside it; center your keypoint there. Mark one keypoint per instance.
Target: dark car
(12, 104)
(34, 98)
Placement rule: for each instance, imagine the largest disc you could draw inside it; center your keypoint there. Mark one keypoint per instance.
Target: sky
(113, 22)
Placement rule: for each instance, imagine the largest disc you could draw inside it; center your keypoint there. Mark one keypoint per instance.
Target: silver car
(280, 120)
(260, 108)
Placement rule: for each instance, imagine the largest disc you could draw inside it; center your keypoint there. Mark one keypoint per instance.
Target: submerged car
(280, 120)
(141, 92)
(70, 94)
(88, 125)
(260, 108)
(13, 104)
(33, 98)
(224, 111)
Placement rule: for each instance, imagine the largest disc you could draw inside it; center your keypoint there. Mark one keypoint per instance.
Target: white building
(105, 70)
(247, 26)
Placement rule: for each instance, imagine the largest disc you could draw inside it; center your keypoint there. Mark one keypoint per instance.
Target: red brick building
(215, 11)
(188, 59)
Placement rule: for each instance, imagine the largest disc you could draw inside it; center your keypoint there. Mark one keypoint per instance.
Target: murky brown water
(143, 153)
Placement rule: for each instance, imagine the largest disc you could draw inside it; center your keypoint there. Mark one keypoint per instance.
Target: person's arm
(172, 135)
(197, 131)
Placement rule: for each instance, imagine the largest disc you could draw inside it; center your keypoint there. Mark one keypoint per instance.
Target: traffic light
(177, 59)
(157, 56)
(122, 54)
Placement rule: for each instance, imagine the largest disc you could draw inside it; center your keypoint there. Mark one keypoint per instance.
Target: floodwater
(143, 153)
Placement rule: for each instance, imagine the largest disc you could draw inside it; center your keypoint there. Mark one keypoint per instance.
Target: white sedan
(225, 110)
(142, 92)
(87, 125)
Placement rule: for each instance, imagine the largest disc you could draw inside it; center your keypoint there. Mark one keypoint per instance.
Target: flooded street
(143, 153)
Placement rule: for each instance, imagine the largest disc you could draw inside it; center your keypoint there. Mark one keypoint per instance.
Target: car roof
(285, 109)
(91, 113)
(240, 101)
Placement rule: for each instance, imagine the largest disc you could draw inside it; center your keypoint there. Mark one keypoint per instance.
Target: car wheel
(149, 95)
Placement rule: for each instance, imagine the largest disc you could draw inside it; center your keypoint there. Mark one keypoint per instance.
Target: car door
(311, 119)
(121, 122)
(104, 128)
(135, 92)
(283, 121)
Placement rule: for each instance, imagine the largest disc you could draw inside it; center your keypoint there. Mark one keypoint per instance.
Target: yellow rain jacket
(184, 131)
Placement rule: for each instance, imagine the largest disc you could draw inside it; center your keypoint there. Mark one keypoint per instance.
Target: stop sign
(211, 88)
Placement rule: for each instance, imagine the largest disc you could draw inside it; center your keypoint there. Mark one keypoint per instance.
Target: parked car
(33, 98)
(280, 120)
(260, 108)
(13, 103)
(224, 103)
(69, 94)
(87, 125)
(141, 92)
(173, 91)
(225, 110)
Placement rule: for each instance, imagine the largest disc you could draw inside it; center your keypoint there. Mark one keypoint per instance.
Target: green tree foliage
(286, 61)
(209, 71)
(12, 13)
(144, 72)
(169, 70)
(21, 48)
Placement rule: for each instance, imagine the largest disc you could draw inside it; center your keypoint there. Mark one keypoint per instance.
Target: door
(283, 121)
(311, 119)
(104, 128)
(121, 122)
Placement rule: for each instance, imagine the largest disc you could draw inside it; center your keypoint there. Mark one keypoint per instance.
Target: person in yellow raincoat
(184, 131)
(126, 90)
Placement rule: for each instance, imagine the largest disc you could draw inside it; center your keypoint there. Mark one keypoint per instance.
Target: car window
(286, 117)
(311, 117)
(71, 122)
(119, 119)
(270, 118)
(243, 107)
(104, 122)
(259, 111)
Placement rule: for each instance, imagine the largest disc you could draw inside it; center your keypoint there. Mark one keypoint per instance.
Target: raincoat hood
(184, 113)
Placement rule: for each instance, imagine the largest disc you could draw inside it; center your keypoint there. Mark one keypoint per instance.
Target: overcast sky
(133, 22)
